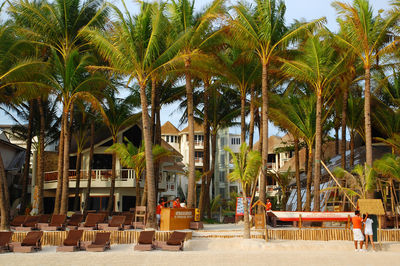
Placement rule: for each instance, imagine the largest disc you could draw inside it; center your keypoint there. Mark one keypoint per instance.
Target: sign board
(240, 206)
(176, 218)
(313, 216)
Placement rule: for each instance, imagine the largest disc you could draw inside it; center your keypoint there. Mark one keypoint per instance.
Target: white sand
(219, 252)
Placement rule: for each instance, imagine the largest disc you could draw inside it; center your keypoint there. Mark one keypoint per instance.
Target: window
(235, 141)
(176, 139)
(198, 139)
(222, 142)
(222, 159)
(167, 139)
(222, 192)
(222, 176)
(198, 154)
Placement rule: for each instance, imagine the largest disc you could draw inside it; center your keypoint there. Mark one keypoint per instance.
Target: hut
(373, 207)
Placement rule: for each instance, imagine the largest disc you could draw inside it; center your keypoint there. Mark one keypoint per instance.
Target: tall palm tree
(57, 27)
(116, 115)
(192, 33)
(366, 35)
(246, 169)
(319, 66)
(16, 75)
(263, 31)
(131, 49)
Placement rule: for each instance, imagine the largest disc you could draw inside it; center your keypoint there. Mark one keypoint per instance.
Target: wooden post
(379, 231)
(300, 221)
(348, 222)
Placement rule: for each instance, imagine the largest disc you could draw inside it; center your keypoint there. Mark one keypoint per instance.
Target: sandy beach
(234, 251)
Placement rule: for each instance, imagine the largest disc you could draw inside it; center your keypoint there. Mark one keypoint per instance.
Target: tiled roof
(197, 128)
(169, 128)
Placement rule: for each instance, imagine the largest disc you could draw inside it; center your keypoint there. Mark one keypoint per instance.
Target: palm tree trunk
(150, 178)
(60, 167)
(110, 206)
(367, 117)
(344, 119)
(297, 168)
(65, 189)
(306, 160)
(246, 231)
(41, 157)
(309, 178)
(318, 145)
(153, 110)
(336, 140)
(352, 149)
(190, 107)
(206, 154)
(251, 126)
(210, 176)
(25, 177)
(4, 205)
(243, 118)
(144, 195)
(264, 117)
(91, 152)
(78, 180)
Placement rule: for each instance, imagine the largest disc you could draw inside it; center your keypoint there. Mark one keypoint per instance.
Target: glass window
(167, 138)
(222, 176)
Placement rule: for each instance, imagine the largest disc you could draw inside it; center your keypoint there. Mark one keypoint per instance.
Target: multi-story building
(179, 140)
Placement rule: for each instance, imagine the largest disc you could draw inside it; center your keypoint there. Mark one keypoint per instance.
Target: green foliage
(388, 166)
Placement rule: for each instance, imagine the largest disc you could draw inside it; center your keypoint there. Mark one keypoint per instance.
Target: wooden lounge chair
(18, 221)
(100, 243)
(146, 241)
(128, 220)
(116, 223)
(92, 220)
(29, 223)
(5, 238)
(31, 242)
(74, 221)
(43, 221)
(174, 243)
(140, 217)
(72, 242)
(57, 223)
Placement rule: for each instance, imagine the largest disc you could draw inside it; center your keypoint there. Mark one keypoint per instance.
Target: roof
(169, 128)
(371, 206)
(273, 142)
(11, 145)
(197, 128)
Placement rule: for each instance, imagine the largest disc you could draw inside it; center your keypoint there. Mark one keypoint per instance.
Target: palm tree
(131, 49)
(388, 166)
(262, 30)
(246, 169)
(366, 36)
(361, 180)
(319, 66)
(58, 28)
(16, 71)
(283, 179)
(192, 33)
(134, 158)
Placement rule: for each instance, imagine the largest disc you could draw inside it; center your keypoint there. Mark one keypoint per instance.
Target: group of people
(358, 224)
(176, 203)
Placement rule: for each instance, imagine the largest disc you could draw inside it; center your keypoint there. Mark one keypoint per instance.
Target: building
(179, 140)
(125, 183)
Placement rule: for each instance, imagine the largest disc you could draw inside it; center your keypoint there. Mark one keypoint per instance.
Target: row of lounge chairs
(93, 221)
(146, 242)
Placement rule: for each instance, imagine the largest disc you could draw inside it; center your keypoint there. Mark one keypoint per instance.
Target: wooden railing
(97, 174)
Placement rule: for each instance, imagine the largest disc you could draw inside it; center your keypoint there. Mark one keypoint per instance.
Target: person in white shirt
(369, 233)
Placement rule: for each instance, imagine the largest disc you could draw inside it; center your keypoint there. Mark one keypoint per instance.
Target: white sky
(295, 9)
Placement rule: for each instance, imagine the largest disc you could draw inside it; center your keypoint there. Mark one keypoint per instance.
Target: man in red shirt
(357, 233)
(268, 209)
(176, 203)
(158, 210)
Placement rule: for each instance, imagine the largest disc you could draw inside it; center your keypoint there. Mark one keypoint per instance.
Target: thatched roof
(371, 206)
(169, 128)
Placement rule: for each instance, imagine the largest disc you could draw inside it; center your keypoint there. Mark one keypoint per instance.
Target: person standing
(369, 233)
(357, 233)
(176, 203)
(268, 209)
(158, 210)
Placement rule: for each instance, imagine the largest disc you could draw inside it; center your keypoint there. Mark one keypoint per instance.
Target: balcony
(100, 178)
(198, 161)
(198, 144)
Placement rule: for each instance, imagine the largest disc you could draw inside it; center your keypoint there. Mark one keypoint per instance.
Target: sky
(295, 9)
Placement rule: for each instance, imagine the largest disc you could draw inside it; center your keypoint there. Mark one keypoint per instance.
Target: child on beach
(369, 233)
(357, 233)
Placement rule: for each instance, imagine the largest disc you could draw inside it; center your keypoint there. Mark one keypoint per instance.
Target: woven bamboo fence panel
(117, 237)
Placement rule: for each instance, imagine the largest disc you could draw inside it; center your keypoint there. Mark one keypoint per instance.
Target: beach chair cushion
(146, 237)
(73, 238)
(101, 238)
(76, 218)
(117, 221)
(32, 238)
(5, 238)
(18, 220)
(58, 220)
(176, 238)
(31, 221)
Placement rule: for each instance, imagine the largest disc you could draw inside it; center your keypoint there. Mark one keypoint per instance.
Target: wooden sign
(259, 221)
(176, 218)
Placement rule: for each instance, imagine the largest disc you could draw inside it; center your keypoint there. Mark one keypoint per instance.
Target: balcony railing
(198, 159)
(97, 174)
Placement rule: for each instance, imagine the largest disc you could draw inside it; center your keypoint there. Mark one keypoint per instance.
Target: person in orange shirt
(268, 209)
(158, 210)
(357, 232)
(176, 203)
